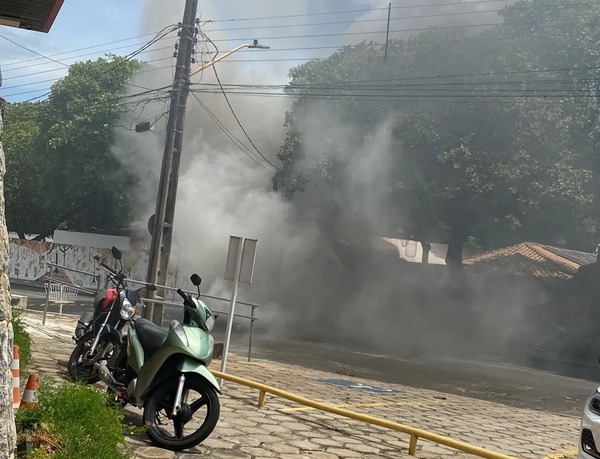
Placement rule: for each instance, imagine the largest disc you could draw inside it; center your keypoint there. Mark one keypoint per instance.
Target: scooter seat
(151, 336)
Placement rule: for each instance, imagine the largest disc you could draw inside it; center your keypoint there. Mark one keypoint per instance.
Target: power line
(386, 97)
(361, 10)
(338, 34)
(159, 35)
(304, 59)
(131, 55)
(478, 39)
(231, 107)
(424, 77)
(8, 65)
(98, 104)
(380, 32)
(238, 143)
(399, 18)
(32, 51)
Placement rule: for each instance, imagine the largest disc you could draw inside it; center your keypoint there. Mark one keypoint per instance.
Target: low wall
(28, 260)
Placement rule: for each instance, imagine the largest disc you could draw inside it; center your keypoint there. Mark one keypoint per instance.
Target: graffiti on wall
(28, 260)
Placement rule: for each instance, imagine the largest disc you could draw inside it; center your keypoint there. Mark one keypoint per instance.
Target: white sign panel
(248, 259)
(248, 253)
(232, 257)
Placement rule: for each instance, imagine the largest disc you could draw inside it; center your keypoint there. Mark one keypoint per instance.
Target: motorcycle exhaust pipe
(106, 376)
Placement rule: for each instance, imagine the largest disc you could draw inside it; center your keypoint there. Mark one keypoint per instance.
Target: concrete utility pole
(160, 248)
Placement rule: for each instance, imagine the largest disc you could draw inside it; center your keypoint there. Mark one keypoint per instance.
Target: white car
(589, 441)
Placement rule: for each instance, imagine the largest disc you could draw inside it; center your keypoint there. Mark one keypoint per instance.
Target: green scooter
(165, 372)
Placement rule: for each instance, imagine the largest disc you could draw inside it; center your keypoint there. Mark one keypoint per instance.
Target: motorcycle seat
(151, 336)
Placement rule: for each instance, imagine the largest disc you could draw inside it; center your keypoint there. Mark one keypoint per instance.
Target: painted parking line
(350, 405)
(566, 454)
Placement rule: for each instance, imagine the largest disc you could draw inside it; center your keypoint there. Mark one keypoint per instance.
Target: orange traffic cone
(30, 395)
(14, 368)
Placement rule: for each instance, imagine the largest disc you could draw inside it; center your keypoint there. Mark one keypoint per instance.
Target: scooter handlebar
(108, 268)
(187, 301)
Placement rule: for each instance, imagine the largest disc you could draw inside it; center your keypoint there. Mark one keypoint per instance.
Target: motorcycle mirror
(196, 279)
(116, 253)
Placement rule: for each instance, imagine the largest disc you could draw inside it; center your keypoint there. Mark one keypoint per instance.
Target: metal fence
(52, 291)
(251, 317)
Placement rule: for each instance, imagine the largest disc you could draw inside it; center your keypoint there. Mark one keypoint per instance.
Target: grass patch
(72, 421)
(21, 339)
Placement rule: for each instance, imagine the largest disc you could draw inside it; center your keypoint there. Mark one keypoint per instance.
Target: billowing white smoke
(223, 193)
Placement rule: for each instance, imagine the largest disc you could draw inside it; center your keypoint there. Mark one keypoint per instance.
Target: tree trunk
(7, 420)
(426, 249)
(458, 237)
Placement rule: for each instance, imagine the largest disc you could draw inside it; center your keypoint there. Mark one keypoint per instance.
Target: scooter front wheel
(197, 419)
(79, 370)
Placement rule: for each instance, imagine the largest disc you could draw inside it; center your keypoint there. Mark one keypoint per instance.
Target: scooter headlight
(127, 310)
(210, 322)
(179, 331)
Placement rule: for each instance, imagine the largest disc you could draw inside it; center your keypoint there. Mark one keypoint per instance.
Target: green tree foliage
(61, 172)
(486, 148)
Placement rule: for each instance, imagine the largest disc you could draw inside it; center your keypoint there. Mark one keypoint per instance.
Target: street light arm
(223, 56)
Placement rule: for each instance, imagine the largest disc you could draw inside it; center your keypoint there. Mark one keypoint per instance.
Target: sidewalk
(285, 430)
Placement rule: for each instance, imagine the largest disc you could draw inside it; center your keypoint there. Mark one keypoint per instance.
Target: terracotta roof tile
(528, 259)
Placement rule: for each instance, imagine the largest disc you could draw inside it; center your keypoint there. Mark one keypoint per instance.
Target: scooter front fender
(189, 365)
(183, 365)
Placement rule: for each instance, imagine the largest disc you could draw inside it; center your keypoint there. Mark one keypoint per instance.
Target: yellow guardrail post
(412, 445)
(262, 395)
(414, 433)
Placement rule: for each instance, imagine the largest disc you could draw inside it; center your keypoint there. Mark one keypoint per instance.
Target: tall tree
(64, 144)
(484, 148)
(24, 181)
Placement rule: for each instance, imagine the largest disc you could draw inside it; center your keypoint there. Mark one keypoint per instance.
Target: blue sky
(83, 24)
(80, 24)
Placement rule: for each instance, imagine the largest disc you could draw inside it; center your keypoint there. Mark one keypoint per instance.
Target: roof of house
(530, 259)
(37, 15)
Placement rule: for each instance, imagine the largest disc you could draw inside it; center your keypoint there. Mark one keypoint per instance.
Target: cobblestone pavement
(285, 430)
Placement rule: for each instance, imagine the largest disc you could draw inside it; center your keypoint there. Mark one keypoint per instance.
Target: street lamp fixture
(253, 45)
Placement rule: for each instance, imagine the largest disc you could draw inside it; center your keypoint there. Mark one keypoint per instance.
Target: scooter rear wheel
(196, 421)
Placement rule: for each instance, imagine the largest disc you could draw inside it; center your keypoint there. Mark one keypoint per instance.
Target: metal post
(387, 33)
(47, 297)
(236, 279)
(98, 289)
(163, 217)
(251, 327)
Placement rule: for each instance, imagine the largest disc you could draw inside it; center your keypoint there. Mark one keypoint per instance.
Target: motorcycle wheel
(77, 369)
(199, 415)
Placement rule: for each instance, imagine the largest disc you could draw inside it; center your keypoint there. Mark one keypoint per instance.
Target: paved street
(286, 430)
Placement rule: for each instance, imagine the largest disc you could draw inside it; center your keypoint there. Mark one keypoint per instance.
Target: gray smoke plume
(303, 270)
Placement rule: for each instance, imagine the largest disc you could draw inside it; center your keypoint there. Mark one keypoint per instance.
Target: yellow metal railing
(414, 433)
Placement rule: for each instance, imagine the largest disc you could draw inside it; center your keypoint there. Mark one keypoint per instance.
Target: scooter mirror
(196, 279)
(116, 253)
